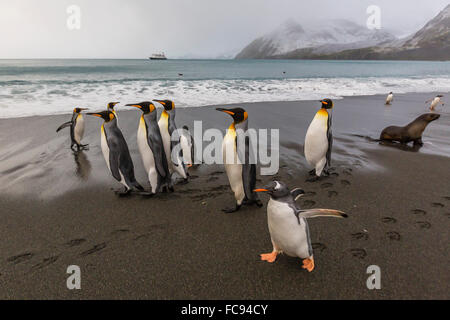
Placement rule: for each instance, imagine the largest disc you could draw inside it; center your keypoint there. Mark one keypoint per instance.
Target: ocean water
(39, 87)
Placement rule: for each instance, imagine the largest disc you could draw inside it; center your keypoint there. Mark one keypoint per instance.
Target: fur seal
(410, 132)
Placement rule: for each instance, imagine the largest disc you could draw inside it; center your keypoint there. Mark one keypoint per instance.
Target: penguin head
(111, 105)
(439, 96)
(78, 110)
(391, 92)
(327, 104)
(105, 115)
(146, 106)
(167, 104)
(277, 189)
(239, 115)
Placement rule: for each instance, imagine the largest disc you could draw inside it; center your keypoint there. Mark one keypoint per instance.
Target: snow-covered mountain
(332, 36)
(342, 39)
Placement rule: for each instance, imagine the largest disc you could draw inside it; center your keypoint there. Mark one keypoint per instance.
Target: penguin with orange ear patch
(288, 227)
(319, 140)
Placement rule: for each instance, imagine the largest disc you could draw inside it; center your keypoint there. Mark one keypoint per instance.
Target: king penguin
(319, 140)
(389, 98)
(110, 107)
(151, 147)
(76, 129)
(241, 174)
(287, 223)
(171, 139)
(187, 146)
(116, 153)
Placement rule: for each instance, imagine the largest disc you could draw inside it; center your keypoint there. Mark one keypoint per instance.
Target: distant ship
(158, 56)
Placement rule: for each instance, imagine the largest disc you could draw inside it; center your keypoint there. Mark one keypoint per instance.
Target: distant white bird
(435, 101)
(389, 98)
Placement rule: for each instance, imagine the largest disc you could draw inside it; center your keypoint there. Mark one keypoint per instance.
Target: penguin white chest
(287, 234)
(316, 140)
(232, 166)
(163, 124)
(79, 129)
(186, 146)
(435, 102)
(105, 147)
(144, 149)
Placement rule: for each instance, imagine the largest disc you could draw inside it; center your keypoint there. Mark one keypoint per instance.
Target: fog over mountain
(342, 39)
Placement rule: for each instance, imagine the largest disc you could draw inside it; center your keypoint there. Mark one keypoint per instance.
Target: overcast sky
(181, 28)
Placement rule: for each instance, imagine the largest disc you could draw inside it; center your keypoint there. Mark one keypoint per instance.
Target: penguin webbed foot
(231, 210)
(313, 179)
(123, 193)
(312, 172)
(269, 257)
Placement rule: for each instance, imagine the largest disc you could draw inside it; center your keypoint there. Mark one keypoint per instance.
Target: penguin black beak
(226, 111)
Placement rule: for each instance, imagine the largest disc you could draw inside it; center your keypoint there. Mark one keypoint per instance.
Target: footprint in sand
(332, 194)
(360, 236)
(119, 231)
(94, 249)
(358, 253)
(308, 203)
(75, 242)
(345, 182)
(20, 258)
(423, 224)
(326, 185)
(393, 235)
(437, 205)
(210, 179)
(347, 172)
(310, 194)
(419, 212)
(44, 263)
(446, 198)
(389, 220)
(334, 174)
(318, 246)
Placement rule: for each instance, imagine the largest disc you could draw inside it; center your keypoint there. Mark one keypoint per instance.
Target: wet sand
(58, 209)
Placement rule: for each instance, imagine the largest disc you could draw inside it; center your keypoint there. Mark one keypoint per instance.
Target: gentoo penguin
(288, 227)
(319, 140)
(171, 139)
(187, 145)
(110, 107)
(435, 102)
(389, 98)
(76, 129)
(116, 153)
(151, 147)
(241, 174)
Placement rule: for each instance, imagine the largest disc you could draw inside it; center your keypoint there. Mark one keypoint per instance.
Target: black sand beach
(58, 209)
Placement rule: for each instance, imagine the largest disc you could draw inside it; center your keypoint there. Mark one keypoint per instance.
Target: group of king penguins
(155, 138)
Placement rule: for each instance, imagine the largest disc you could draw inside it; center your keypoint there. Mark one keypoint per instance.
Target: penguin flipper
(330, 142)
(297, 193)
(156, 145)
(248, 171)
(114, 165)
(64, 125)
(313, 213)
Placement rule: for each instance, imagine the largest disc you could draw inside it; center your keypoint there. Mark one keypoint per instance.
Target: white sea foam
(44, 98)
